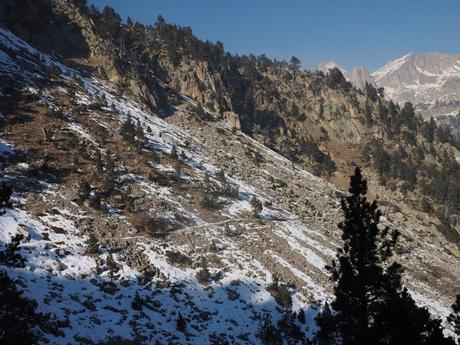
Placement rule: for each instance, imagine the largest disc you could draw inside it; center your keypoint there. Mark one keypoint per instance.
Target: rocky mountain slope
(135, 187)
(431, 81)
(61, 113)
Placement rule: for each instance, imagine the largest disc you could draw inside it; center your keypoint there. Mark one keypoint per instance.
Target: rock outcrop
(360, 77)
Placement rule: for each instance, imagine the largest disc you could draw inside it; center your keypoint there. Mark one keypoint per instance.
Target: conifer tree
(454, 317)
(227, 188)
(209, 197)
(268, 333)
(256, 206)
(84, 190)
(371, 305)
(111, 264)
(140, 135)
(17, 315)
(177, 170)
(128, 130)
(5, 196)
(301, 316)
(174, 152)
(399, 320)
(98, 162)
(92, 245)
(11, 256)
(136, 304)
(325, 322)
(181, 323)
(358, 269)
(221, 177)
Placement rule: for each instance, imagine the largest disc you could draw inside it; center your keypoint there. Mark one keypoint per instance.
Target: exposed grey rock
(431, 81)
(360, 76)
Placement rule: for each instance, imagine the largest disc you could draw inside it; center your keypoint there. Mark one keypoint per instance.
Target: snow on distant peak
(431, 81)
(391, 67)
(328, 65)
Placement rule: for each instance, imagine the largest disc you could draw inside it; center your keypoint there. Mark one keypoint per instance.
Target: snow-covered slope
(431, 81)
(295, 236)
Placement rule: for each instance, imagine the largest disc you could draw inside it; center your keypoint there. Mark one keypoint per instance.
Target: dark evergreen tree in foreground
(17, 314)
(11, 256)
(371, 305)
(454, 317)
(268, 332)
(19, 320)
(181, 323)
(358, 269)
(5, 196)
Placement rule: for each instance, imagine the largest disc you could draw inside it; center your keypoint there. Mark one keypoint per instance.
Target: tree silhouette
(371, 305)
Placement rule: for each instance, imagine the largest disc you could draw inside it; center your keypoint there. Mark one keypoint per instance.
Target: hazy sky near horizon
(365, 33)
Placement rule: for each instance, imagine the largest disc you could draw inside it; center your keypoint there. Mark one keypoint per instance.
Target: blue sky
(365, 33)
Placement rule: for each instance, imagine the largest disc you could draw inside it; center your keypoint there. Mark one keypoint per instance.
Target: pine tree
(17, 315)
(227, 188)
(209, 196)
(98, 162)
(371, 304)
(268, 333)
(399, 320)
(454, 317)
(84, 190)
(5, 196)
(110, 165)
(128, 130)
(140, 135)
(177, 169)
(301, 316)
(221, 177)
(10, 256)
(92, 244)
(256, 206)
(325, 322)
(203, 275)
(295, 63)
(181, 323)
(174, 152)
(358, 269)
(111, 264)
(136, 304)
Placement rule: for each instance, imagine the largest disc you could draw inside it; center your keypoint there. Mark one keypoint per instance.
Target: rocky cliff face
(360, 77)
(431, 81)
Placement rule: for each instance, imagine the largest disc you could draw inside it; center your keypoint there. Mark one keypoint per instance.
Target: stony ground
(61, 127)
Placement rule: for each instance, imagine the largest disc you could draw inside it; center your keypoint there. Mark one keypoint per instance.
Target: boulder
(23, 232)
(71, 195)
(232, 119)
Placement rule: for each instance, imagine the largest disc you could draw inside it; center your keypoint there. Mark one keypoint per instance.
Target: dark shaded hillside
(35, 21)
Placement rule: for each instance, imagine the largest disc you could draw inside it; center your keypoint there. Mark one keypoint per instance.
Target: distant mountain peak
(360, 77)
(431, 81)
